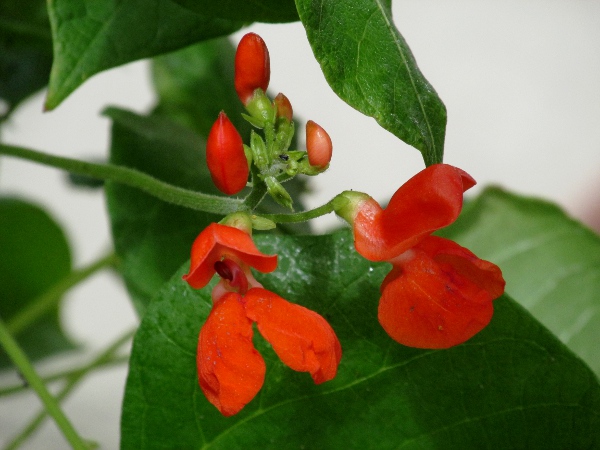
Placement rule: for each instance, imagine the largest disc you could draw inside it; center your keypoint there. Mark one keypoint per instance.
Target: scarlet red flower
(318, 145)
(252, 67)
(225, 156)
(230, 370)
(438, 293)
(217, 242)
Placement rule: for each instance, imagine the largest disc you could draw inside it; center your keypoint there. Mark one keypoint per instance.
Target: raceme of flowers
(437, 295)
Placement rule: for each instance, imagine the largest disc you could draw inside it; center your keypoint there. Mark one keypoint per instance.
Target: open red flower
(230, 370)
(438, 293)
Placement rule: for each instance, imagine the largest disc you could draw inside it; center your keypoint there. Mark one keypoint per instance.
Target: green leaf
(90, 36)
(153, 237)
(550, 262)
(35, 257)
(25, 51)
(513, 385)
(369, 65)
(196, 83)
(247, 11)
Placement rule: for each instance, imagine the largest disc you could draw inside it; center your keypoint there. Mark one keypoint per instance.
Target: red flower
(230, 370)
(252, 67)
(225, 156)
(438, 293)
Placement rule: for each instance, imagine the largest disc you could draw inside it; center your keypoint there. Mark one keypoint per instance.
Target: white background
(520, 80)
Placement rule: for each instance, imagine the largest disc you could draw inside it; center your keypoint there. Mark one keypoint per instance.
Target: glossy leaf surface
(385, 396)
(91, 36)
(550, 262)
(367, 62)
(153, 237)
(35, 257)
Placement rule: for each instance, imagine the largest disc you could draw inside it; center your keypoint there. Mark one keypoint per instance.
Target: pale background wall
(520, 80)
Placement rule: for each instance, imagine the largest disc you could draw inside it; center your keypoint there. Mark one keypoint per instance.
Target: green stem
(258, 192)
(102, 359)
(131, 177)
(49, 299)
(17, 355)
(65, 374)
(303, 216)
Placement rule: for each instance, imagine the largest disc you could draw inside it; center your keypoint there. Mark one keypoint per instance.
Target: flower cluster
(230, 370)
(437, 295)
(229, 160)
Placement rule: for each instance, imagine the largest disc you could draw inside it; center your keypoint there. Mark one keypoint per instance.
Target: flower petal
(230, 370)
(430, 200)
(302, 339)
(438, 295)
(218, 241)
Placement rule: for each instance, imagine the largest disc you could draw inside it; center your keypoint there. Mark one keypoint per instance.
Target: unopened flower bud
(252, 67)
(318, 145)
(284, 107)
(225, 156)
(278, 192)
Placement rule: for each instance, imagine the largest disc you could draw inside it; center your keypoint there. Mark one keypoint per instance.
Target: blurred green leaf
(196, 83)
(550, 262)
(514, 385)
(369, 65)
(91, 36)
(35, 257)
(152, 237)
(247, 11)
(25, 51)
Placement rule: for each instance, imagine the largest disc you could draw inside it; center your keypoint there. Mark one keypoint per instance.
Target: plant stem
(328, 207)
(49, 299)
(65, 374)
(17, 355)
(131, 177)
(103, 359)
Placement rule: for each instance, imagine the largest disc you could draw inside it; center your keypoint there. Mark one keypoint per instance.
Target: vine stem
(303, 216)
(131, 177)
(165, 191)
(49, 299)
(104, 358)
(17, 355)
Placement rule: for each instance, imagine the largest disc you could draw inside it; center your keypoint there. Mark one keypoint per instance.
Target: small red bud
(225, 156)
(252, 66)
(318, 145)
(284, 107)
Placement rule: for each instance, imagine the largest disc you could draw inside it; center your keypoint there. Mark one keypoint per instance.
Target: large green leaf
(35, 257)
(247, 10)
(153, 237)
(194, 84)
(369, 65)
(90, 36)
(514, 385)
(551, 263)
(25, 50)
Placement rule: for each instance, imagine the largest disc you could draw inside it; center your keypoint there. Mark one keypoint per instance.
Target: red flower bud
(225, 156)
(318, 145)
(284, 107)
(252, 66)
